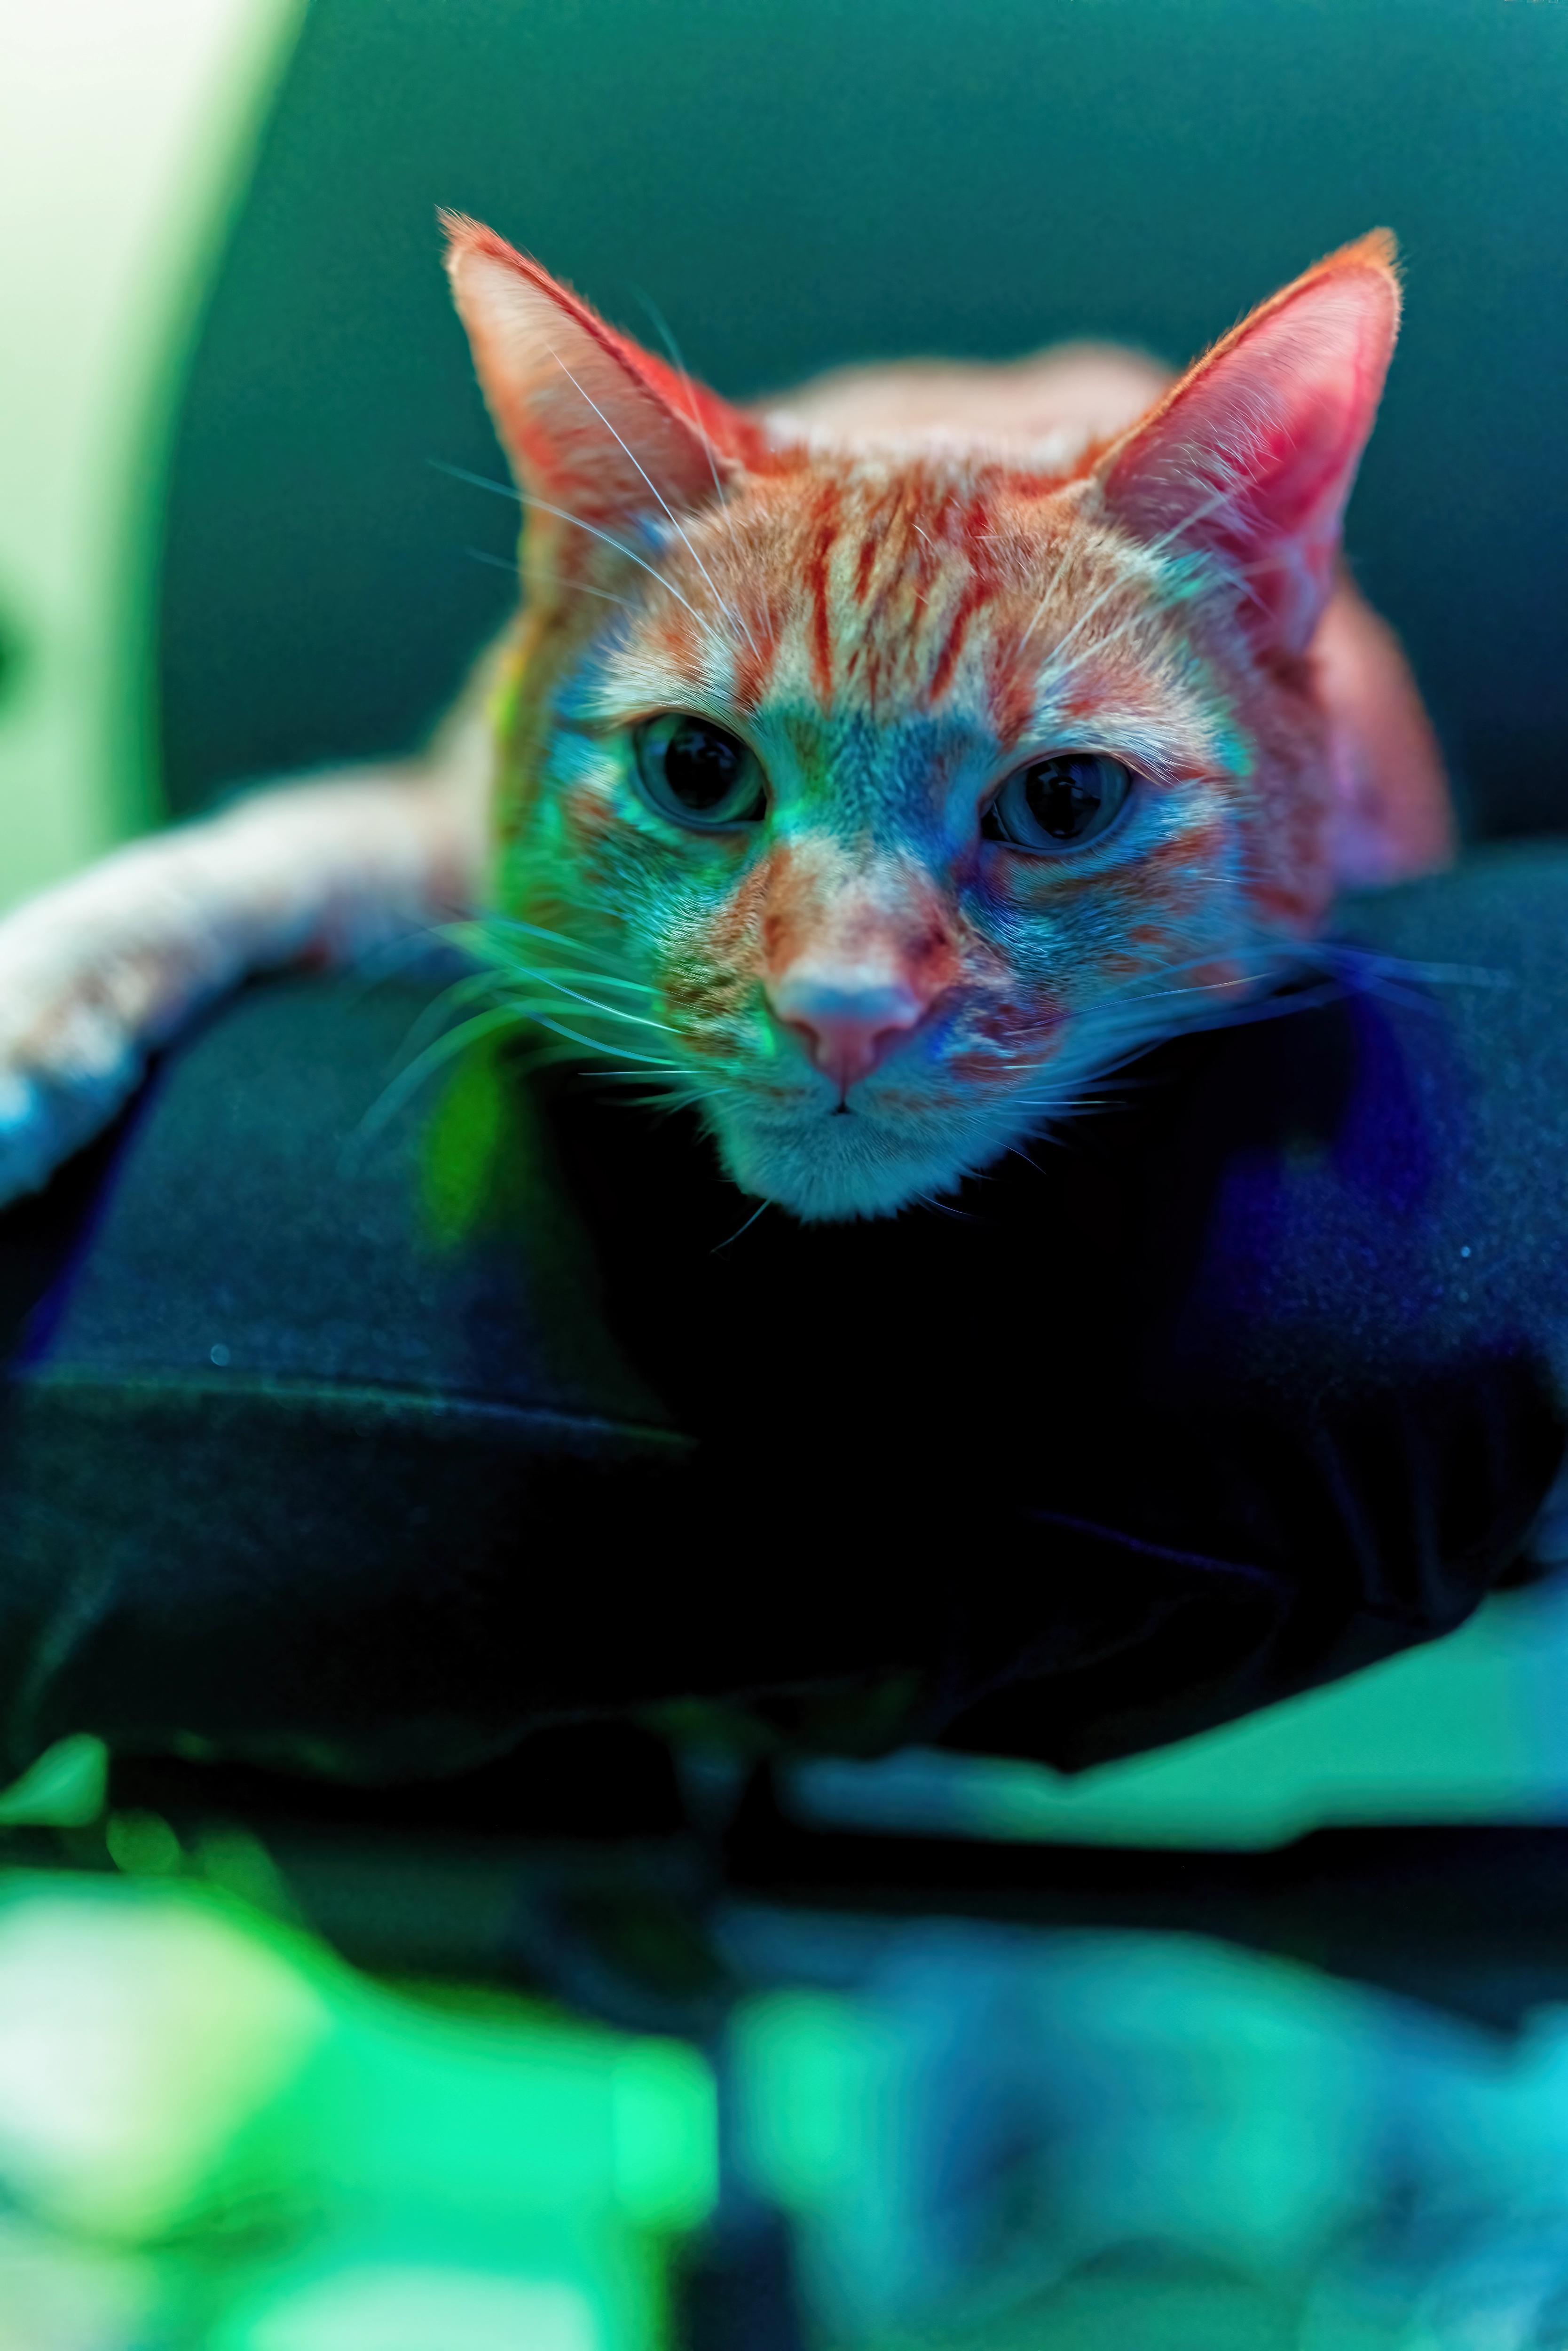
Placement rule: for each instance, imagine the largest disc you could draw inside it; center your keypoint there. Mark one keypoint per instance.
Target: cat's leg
(98, 972)
(1393, 814)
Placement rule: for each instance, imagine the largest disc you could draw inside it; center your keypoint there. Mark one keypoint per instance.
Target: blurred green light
(137, 2032)
(65, 1789)
(408, 2308)
(665, 2136)
(142, 1844)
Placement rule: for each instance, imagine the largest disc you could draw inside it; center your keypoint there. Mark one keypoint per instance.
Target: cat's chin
(825, 1169)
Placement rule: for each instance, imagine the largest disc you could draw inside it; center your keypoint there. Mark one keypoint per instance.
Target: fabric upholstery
(362, 1448)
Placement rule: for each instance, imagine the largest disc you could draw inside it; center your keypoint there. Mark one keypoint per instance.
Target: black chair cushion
(364, 1449)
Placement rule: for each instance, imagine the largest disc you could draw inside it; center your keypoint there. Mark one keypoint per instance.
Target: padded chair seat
(364, 1449)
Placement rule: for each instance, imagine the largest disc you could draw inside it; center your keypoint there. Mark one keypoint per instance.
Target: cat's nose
(848, 1029)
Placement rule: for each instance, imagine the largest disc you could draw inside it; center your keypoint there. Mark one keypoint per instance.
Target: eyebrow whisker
(664, 502)
(606, 539)
(704, 437)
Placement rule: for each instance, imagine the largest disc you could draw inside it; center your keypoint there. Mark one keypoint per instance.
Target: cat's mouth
(832, 1161)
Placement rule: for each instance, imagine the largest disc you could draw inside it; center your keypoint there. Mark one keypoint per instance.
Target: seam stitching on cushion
(432, 1403)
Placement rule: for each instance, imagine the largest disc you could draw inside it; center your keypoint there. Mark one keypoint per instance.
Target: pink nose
(847, 1029)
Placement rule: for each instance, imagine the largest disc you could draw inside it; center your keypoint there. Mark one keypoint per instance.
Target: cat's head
(888, 793)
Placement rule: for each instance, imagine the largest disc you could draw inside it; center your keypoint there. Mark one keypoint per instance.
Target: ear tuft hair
(589, 419)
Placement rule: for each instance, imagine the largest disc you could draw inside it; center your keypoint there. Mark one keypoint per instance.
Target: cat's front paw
(95, 975)
(67, 1063)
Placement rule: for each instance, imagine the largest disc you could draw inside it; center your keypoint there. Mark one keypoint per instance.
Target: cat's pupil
(1064, 795)
(697, 774)
(701, 765)
(1056, 803)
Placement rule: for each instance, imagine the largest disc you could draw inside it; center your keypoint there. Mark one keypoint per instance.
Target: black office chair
(377, 1529)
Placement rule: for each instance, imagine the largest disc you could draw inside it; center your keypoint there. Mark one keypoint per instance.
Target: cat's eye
(1059, 803)
(696, 774)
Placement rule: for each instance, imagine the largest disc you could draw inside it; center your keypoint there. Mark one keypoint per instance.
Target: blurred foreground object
(179, 2072)
(924, 2136)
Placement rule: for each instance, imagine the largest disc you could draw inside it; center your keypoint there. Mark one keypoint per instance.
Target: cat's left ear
(589, 422)
(1251, 456)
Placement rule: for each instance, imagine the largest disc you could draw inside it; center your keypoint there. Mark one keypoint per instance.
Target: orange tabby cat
(870, 771)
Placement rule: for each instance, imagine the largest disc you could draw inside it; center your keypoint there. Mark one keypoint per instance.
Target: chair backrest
(795, 183)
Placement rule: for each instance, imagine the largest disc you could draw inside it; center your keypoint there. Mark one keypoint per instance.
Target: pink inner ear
(1251, 458)
(589, 419)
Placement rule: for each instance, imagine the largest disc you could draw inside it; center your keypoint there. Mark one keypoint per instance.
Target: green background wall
(795, 183)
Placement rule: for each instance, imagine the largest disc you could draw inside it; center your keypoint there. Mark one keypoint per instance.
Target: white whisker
(706, 438)
(746, 1228)
(484, 924)
(608, 1011)
(476, 481)
(540, 506)
(575, 587)
(1156, 546)
(664, 502)
(593, 1044)
(1062, 561)
(408, 1082)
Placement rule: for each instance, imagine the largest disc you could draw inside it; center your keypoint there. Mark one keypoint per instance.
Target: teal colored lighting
(446, 2173)
(1466, 1729)
(396, 2306)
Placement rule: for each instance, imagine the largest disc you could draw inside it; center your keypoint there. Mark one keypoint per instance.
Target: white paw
(62, 1079)
(98, 972)
(93, 974)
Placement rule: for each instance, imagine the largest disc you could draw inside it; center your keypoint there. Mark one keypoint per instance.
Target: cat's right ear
(589, 422)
